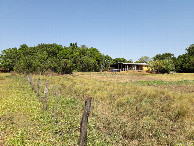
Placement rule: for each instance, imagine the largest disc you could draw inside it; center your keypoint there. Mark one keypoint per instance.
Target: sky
(118, 28)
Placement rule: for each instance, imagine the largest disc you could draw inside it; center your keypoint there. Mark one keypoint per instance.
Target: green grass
(161, 83)
(121, 114)
(24, 122)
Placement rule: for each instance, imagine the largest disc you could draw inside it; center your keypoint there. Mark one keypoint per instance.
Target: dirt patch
(2, 139)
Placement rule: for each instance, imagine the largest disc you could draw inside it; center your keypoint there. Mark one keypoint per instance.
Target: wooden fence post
(27, 78)
(84, 123)
(32, 83)
(45, 96)
(37, 94)
(57, 93)
(30, 80)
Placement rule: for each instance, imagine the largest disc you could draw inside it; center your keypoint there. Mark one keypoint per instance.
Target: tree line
(53, 57)
(62, 59)
(164, 63)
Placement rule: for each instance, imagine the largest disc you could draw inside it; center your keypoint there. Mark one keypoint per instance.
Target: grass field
(127, 109)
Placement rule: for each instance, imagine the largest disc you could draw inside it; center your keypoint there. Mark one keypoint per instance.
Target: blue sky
(119, 28)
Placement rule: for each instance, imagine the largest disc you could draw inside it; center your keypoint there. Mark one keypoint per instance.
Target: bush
(161, 66)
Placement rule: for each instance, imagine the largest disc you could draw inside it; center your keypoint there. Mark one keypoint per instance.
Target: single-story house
(117, 67)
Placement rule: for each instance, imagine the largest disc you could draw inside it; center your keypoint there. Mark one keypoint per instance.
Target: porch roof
(135, 63)
(129, 63)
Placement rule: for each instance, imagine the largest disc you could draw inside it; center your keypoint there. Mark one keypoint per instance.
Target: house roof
(131, 63)
(2, 70)
(136, 63)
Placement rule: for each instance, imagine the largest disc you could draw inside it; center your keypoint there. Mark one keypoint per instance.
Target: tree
(130, 60)
(168, 60)
(161, 66)
(84, 46)
(144, 59)
(190, 50)
(53, 57)
(106, 62)
(120, 60)
(168, 66)
(9, 58)
(164, 56)
(185, 62)
(155, 66)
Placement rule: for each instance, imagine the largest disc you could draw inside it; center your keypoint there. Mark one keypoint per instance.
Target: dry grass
(122, 113)
(140, 76)
(173, 77)
(4, 74)
(172, 81)
(117, 104)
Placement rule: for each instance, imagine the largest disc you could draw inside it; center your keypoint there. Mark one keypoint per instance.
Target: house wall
(126, 67)
(142, 67)
(145, 67)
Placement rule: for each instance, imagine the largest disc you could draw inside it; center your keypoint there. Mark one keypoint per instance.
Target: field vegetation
(127, 109)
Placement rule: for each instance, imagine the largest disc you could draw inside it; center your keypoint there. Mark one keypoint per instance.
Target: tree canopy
(54, 57)
(143, 59)
(185, 62)
(62, 59)
(123, 60)
(161, 66)
(164, 56)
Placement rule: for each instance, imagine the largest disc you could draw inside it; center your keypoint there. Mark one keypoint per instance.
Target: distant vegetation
(53, 57)
(61, 59)
(167, 62)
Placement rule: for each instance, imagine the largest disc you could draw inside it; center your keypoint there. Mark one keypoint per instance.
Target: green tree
(106, 62)
(54, 57)
(164, 56)
(190, 50)
(168, 60)
(185, 62)
(120, 60)
(144, 59)
(155, 66)
(161, 66)
(9, 58)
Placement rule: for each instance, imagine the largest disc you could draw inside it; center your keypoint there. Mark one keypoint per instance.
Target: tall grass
(121, 113)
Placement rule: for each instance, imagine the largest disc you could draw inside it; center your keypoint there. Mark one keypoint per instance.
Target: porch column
(121, 67)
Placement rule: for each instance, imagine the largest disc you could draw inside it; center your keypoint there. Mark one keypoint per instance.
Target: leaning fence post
(57, 93)
(45, 96)
(37, 94)
(84, 123)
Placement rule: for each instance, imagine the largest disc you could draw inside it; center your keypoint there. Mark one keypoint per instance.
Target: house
(2, 70)
(117, 67)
